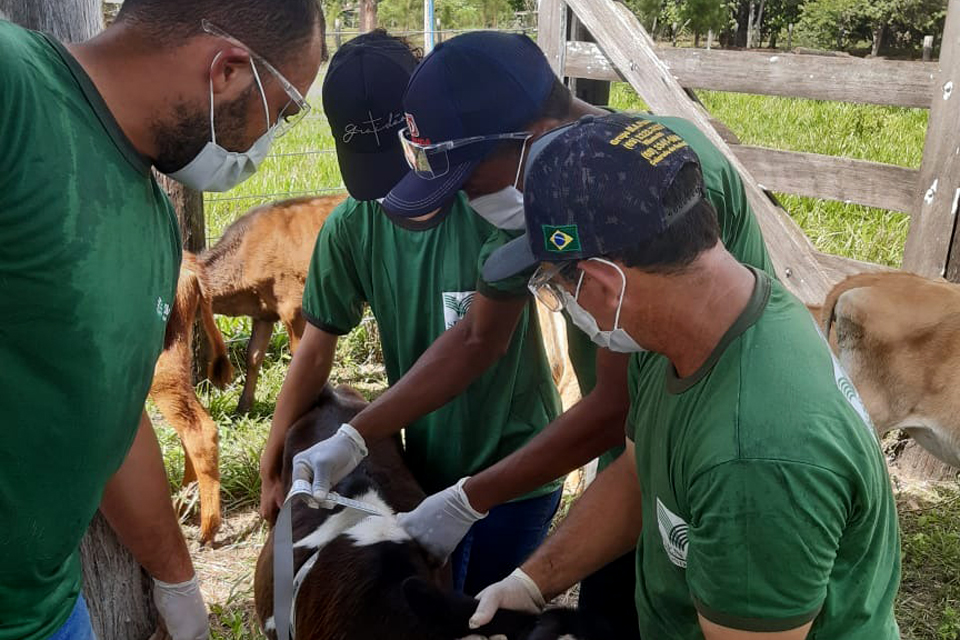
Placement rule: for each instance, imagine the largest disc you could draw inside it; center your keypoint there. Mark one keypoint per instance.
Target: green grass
(929, 605)
(891, 135)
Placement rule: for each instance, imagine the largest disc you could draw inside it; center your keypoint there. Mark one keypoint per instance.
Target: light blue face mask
(615, 340)
(216, 168)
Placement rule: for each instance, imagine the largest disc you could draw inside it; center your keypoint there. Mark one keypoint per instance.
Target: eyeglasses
(430, 161)
(550, 293)
(296, 108)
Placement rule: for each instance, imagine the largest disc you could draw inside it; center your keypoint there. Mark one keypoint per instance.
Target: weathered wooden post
(927, 48)
(593, 91)
(750, 27)
(117, 589)
(790, 36)
(338, 33)
(368, 15)
(933, 248)
(709, 39)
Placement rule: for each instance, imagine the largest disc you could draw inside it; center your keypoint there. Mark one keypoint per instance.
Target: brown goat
(172, 390)
(897, 335)
(258, 268)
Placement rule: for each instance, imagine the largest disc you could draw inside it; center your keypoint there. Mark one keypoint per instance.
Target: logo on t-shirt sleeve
(455, 306)
(673, 532)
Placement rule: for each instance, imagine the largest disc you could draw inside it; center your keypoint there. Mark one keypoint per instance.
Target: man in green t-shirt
(494, 84)
(753, 483)
(419, 276)
(89, 258)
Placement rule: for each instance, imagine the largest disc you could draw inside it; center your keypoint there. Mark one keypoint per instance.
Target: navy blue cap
(363, 100)
(475, 84)
(596, 186)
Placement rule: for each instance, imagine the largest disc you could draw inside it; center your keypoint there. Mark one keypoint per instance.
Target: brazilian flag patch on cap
(562, 239)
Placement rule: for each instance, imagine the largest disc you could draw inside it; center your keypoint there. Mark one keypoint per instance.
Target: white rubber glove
(517, 592)
(182, 610)
(441, 521)
(329, 461)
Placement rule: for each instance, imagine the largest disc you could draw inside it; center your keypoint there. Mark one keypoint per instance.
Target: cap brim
(371, 176)
(415, 196)
(509, 260)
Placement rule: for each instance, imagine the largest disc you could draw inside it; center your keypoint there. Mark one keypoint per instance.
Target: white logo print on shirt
(163, 310)
(673, 531)
(455, 306)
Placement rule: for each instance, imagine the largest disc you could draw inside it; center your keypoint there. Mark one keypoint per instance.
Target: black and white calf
(361, 577)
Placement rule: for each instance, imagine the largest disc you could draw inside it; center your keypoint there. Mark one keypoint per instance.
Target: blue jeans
(502, 541)
(77, 626)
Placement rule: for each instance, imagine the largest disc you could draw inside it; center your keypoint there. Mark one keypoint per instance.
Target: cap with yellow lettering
(596, 186)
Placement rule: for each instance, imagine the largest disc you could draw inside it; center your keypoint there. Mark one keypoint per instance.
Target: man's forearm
(604, 524)
(136, 503)
(593, 426)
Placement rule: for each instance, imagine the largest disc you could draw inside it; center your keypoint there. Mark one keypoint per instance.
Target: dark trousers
(608, 594)
(502, 541)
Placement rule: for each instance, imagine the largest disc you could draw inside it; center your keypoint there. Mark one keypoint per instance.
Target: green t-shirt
(419, 280)
(89, 254)
(766, 500)
(739, 231)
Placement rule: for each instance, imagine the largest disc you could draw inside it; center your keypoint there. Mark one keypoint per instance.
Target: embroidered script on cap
(562, 239)
(657, 144)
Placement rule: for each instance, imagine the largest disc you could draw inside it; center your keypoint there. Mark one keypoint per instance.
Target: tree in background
(702, 16)
(841, 24)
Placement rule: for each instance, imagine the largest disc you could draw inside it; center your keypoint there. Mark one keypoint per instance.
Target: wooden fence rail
(842, 79)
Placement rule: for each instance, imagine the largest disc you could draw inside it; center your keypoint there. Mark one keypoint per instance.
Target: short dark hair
(689, 234)
(382, 35)
(271, 28)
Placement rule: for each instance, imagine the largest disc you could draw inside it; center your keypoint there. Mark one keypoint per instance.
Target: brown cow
(258, 269)
(897, 335)
(363, 577)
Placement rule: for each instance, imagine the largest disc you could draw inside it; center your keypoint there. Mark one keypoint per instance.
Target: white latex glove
(182, 610)
(441, 521)
(329, 461)
(517, 592)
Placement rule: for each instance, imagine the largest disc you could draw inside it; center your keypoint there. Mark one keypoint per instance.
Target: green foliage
(841, 24)
(701, 16)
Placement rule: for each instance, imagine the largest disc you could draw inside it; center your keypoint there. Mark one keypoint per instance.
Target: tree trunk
(696, 39)
(878, 33)
(189, 206)
(67, 20)
(368, 15)
(913, 461)
(116, 588)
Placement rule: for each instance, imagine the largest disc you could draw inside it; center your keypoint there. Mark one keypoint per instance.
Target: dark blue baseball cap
(596, 186)
(363, 100)
(476, 84)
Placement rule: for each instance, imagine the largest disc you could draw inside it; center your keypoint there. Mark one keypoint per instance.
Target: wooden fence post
(552, 33)
(750, 26)
(709, 39)
(368, 15)
(789, 36)
(337, 33)
(931, 246)
(927, 48)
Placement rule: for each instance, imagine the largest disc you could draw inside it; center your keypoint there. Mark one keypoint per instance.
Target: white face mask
(217, 169)
(504, 209)
(616, 340)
